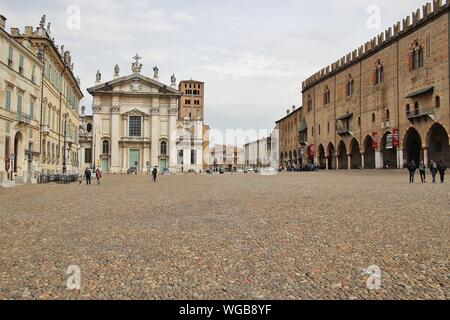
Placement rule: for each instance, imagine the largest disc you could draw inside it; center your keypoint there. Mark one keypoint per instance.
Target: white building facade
(135, 125)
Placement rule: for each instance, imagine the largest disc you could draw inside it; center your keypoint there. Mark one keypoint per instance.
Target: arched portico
(369, 153)
(342, 162)
(355, 154)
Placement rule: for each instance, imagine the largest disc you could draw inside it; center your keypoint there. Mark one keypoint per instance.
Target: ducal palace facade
(138, 122)
(382, 105)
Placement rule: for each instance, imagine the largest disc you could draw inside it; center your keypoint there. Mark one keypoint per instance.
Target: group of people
(88, 176)
(435, 168)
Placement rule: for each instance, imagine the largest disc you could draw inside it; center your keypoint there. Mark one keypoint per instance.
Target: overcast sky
(252, 54)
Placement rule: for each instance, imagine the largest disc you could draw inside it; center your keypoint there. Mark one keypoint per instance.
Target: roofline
(130, 76)
(22, 46)
(290, 114)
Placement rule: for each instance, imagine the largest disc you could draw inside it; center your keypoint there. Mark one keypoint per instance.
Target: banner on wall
(375, 140)
(396, 141)
(311, 151)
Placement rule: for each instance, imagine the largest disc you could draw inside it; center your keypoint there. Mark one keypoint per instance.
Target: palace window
(193, 156)
(8, 100)
(374, 117)
(88, 155)
(10, 57)
(438, 102)
(350, 86)
(21, 59)
(387, 114)
(135, 126)
(32, 103)
(309, 104)
(19, 104)
(163, 148)
(105, 147)
(89, 127)
(326, 96)
(378, 76)
(416, 56)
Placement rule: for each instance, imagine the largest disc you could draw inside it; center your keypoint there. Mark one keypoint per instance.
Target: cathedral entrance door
(163, 164)
(135, 159)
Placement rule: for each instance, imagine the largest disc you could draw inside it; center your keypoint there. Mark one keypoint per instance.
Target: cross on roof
(137, 58)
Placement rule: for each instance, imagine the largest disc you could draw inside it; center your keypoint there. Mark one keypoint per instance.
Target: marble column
(349, 162)
(363, 165)
(115, 138)
(326, 164)
(154, 136)
(172, 145)
(124, 160)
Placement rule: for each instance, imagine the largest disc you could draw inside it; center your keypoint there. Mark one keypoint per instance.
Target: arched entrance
(19, 154)
(369, 155)
(413, 146)
(388, 152)
(438, 142)
(331, 152)
(356, 154)
(342, 156)
(322, 160)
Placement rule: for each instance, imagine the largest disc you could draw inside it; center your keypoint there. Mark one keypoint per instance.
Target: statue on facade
(136, 67)
(42, 23)
(116, 70)
(98, 77)
(62, 50)
(155, 72)
(48, 28)
(173, 80)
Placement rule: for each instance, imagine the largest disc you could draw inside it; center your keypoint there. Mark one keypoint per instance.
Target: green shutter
(32, 110)
(8, 100)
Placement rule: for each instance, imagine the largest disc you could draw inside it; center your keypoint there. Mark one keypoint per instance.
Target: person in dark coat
(87, 174)
(155, 173)
(433, 170)
(442, 168)
(422, 172)
(412, 168)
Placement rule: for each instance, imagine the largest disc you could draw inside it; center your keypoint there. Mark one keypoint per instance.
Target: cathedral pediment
(134, 84)
(135, 112)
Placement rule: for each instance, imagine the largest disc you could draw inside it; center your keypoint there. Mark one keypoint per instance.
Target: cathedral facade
(136, 125)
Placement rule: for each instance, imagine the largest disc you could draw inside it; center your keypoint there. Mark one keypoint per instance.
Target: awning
(345, 116)
(303, 126)
(420, 92)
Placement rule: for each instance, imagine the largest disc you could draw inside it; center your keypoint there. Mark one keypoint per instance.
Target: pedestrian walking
(80, 178)
(87, 175)
(412, 171)
(433, 170)
(155, 173)
(442, 168)
(422, 169)
(98, 176)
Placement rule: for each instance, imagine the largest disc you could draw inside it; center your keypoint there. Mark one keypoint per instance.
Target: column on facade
(172, 145)
(115, 138)
(124, 159)
(146, 148)
(337, 162)
(198, 138)
(349, 162)
(425, 156)
(378, 160)
(399, 158)
(82, 153)
(363, 161)
(154, 135)
(326, 164)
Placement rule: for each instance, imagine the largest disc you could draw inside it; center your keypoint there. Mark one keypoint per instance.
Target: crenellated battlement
(392, 34)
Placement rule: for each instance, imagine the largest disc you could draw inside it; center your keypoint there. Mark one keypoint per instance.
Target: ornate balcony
(23, 118)
(344, 132)
(421, 113)
(45, 129)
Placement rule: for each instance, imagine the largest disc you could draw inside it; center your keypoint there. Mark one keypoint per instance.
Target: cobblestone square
(289, 236)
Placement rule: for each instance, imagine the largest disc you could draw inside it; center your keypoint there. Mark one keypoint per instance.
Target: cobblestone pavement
(290, 236)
